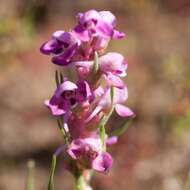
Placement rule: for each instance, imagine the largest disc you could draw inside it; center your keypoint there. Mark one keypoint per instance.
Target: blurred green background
(154, 154)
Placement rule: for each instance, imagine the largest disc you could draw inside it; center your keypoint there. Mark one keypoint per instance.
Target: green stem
(52, 171)
(30, 177)
(79, 183)
(82, 179)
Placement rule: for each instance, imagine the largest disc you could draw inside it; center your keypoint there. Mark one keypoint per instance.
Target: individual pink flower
(105, 103)
(112, 65)
(88, 152)
(94, 23)
(67, 96)
(63, 46)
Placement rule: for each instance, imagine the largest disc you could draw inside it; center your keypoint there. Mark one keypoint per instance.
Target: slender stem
(52, 171)
(79, 183)
(30, 176)
(82, 180)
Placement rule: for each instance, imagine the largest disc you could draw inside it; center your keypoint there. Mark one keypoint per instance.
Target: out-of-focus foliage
(154, 153)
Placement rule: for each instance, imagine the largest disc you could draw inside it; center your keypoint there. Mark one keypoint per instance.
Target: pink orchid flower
(67, 96)
(89, 153)
(112, 65)
(63, 46)
(93, 23)
(105, 103)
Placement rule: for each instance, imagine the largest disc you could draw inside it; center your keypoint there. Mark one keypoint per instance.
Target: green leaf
(52, 171)
(30, 176)
(120, 130)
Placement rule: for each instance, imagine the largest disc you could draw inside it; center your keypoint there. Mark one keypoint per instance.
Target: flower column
(83, 106)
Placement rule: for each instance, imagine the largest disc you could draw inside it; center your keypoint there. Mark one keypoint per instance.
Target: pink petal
(111, 140)
(104, 29)
(91, 15)
(108, 17)
(120, 95)
(114, 80)
(123, 111)
(118, 35)
(94, 113)
(54, 108)
(103, 162)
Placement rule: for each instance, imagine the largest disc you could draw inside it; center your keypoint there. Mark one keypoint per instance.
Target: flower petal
(108, 17)
(123, 111)
(83, 91)
(81, 33)
(88, 17)
(113, 62)
(102, 163)
(49, 47)
(65, 58)
(103, 29)
(111, 140)
(76, 149)
(114, 80)
(118, 35)
(65, 86)
(55, 110)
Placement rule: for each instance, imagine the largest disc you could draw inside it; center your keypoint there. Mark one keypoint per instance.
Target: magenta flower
(67, 96)
(112, 65)
(104, 103)
(63, 46)
(89, 153)
(93, 23)
(84, 107)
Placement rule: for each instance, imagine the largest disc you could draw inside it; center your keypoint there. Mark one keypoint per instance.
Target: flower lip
(88, 18)
(66, 86)
(108, 17)
(103, 162)
(49, 47)
(68, 95)
(67, 38)
(66, 57)
(113, 62)
(90, 151)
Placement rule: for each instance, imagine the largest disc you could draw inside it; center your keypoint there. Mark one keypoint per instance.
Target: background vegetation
(154, 153)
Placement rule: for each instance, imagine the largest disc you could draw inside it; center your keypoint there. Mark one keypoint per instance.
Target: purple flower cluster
(83, 105)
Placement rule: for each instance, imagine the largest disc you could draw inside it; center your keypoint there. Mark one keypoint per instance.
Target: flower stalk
(86, 97)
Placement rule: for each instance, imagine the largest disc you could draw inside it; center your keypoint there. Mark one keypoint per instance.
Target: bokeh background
(154, 154)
